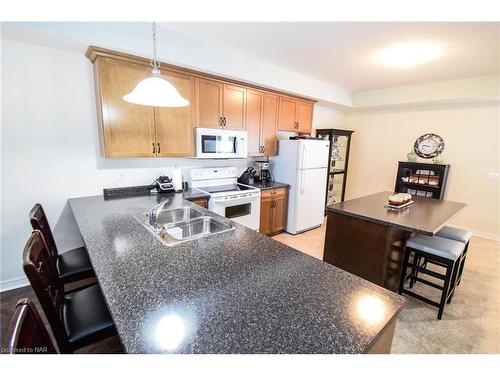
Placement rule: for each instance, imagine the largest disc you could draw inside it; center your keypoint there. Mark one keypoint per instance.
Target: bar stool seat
(439, 246)
(455, 234)
(74, 265)
(434, 250)
(86, 317)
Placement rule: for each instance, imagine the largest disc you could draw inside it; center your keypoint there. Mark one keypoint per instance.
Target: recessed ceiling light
(410, 54)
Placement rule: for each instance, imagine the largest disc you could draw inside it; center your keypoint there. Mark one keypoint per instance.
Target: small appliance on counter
(263, 172)
(162, 184)
(247, 176)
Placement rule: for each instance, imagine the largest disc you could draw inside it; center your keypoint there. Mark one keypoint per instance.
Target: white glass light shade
(157, 92)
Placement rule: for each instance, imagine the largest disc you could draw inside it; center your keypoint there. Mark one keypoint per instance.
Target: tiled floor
(471, 322)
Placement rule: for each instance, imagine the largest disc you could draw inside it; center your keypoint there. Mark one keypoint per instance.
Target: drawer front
(273, 193)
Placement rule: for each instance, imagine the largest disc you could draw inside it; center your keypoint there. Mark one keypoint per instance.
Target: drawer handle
(154, 148)
(273, 192)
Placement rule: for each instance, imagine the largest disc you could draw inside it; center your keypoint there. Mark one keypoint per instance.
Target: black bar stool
(460, 235)
(72, 265)
(434, 250)
(76, 319)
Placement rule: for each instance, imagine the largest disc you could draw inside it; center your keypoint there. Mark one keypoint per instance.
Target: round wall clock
(429, 146)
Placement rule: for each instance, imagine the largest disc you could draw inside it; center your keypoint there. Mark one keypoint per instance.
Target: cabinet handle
(263, 149)
(298, 124)
(260, 149)
(220, 121)
(159, 150)
(154, 148)
(224, 121)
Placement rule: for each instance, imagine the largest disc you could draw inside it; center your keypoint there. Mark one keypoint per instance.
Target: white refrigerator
(303, 165)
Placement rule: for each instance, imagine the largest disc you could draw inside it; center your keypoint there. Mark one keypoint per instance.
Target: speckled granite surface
(236, 292)
(143, 190)
(426, 216)
(269, 185)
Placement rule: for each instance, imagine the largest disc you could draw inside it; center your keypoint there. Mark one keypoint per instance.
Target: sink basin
(192, 229)
(175, 215)
(176, 225)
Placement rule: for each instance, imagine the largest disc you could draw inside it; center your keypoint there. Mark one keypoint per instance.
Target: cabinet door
(303, 116)
(174, 126)
(278, 215)
(266, 220)
(254, 121)
(209, 96)
(234, 107)
(127, 129)
(286, 120)
(269, 131)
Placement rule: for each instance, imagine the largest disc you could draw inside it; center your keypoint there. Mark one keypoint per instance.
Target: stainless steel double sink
(175, 225)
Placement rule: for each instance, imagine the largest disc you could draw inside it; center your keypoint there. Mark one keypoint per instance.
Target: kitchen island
(234, 292)
(367, 239)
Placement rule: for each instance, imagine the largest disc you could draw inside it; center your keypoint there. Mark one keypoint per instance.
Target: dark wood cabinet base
(366, 249)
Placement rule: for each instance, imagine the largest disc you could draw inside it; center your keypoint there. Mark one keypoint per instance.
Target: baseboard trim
(13, 283)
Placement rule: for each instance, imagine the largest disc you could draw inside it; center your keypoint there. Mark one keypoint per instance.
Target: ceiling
(342, 53)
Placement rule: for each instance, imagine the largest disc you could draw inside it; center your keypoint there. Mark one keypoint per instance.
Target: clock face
(429, 146)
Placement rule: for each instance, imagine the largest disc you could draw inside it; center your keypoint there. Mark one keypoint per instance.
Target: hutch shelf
(422, 179)
(340, 143)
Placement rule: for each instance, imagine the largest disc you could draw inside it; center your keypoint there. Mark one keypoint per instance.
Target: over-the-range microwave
(221, 144)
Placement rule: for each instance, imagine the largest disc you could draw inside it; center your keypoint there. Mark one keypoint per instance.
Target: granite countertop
(426, 215)
(268, 185)
(235, 292)
(143, 190)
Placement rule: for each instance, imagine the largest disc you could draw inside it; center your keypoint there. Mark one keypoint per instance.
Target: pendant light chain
(154, 63)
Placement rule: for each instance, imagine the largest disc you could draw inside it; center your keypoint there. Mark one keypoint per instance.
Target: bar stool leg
(446, 286)
(462, 264)
(453, 281)
(414, 274)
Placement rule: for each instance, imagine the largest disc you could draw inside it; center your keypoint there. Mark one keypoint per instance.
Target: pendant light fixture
(154, 90)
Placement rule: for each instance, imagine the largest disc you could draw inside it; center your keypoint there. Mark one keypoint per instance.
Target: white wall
(484, 88)
(472, 147)
(175, 48)
(50, 147)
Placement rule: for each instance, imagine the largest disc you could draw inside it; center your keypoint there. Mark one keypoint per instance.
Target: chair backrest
(39, 222)
(41, 271)
(27, 333)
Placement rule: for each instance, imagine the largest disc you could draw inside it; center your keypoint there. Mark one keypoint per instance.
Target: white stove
(228, 198)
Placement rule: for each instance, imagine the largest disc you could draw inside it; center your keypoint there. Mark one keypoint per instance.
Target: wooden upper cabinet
(254, 121)
(127, 130)
(209, 97)
(295, 115)
(286, 119)
(269, 130)
(303, 116)
(175, 126)
(233, 107)
(261, 123)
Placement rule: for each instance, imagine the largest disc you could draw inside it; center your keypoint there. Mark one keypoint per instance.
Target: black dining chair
(72, 265)
(76, 319)
(27, 333)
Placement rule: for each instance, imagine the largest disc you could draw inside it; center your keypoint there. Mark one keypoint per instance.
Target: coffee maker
(263, 173)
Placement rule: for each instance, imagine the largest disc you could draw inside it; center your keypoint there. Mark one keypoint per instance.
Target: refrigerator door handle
(302, 183)
(303, 156)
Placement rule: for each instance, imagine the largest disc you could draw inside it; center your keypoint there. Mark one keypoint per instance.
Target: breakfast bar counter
(233, 292)
(367, 239)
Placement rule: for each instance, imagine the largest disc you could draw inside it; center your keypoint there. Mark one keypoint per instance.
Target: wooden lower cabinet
(203, 202)
(273, 210)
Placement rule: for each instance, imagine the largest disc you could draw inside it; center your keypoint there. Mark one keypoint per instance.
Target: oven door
(220, 144)
(243, 210)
